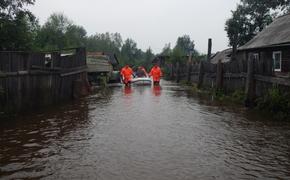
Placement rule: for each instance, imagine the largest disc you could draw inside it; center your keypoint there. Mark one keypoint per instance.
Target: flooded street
(154, 133)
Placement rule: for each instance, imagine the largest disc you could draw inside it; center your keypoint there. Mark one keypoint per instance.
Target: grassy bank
(274, 103)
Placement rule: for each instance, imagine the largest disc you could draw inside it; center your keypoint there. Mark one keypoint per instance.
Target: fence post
(189, 68)
(177, 72)
(250, 83)
(219, 76)
(171, 71)
(200, 74)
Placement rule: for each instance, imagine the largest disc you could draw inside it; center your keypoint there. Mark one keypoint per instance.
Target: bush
(275, 102)
(238, 96)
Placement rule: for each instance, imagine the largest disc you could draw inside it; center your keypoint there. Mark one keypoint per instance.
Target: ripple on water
(145, 135)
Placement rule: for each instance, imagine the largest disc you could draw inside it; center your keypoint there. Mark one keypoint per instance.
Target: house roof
(277, 33)
(224, 56)
(112, 58)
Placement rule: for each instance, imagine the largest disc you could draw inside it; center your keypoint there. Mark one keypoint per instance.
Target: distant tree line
(20, 30)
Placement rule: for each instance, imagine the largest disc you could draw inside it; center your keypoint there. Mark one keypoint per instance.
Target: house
(223, 56)
(271, 48)
(110, 58)
(102, 66)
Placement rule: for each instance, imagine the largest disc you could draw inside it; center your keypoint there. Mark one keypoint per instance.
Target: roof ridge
(286, 14)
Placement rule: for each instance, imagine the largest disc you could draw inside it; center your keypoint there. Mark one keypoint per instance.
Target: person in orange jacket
(156, 73)
(126, 73)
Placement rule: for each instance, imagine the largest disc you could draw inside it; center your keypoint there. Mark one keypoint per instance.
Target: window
(277, 57)
(256, 56)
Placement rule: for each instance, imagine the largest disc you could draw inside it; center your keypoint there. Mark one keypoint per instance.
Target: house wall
(286, 59)
(264, 65)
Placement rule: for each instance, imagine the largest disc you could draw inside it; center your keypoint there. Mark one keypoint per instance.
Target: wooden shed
(271, 48)
(102, 66)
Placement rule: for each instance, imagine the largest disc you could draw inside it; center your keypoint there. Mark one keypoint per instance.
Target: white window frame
(274, 60)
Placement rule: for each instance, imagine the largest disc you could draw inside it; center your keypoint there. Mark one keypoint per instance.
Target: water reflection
(30, 144)
(144, 133)
(128, 90)
(156, 90)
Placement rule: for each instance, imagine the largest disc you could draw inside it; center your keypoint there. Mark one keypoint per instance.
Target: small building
(102, 67)
(223, 56)
(271, 48)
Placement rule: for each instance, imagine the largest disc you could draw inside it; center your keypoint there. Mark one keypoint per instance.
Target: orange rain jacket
(126, 73)
(156, 73)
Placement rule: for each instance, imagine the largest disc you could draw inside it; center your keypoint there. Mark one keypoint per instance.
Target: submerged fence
(34, 79)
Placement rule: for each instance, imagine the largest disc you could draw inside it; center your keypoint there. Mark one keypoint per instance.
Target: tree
(148, 58)
(76, 36)
(9, 9)
(184, 44)
(109, 42)
(130, 54)
(166, 51)
(176, 55)
(59, 32)
(251, 17)
(17, 25)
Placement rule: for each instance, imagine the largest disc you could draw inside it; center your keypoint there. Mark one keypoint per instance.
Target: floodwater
(151, 133)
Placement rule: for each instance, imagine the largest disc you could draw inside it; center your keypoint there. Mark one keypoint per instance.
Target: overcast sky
(151, 23)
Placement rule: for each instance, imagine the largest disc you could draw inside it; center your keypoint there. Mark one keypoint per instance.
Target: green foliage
(10, 9)
(166, 51)
(238, 96)
(220, 95)
(148, 58)
(130, 54)
(17, 25)
(107, 42)
(275, 102)
(250, 17)
(184, 44)
(59, 32)
(176, 55)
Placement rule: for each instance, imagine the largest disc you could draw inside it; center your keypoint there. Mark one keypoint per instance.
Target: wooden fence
(245, 73)
(34, 79)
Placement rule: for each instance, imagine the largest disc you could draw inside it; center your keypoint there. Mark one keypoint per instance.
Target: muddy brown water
(152, 133)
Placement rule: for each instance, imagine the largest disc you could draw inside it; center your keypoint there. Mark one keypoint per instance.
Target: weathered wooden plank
(250, 83)
(273, 80)
(235, 75)
(46, 68)
(72, 73)
(219, 77)
(29, 83)
(200, 74)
